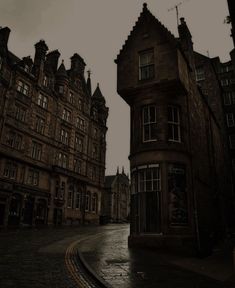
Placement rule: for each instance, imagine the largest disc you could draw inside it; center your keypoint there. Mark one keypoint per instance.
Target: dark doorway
(15, 210)
(57, 217)
(28, 211)
(41, 209)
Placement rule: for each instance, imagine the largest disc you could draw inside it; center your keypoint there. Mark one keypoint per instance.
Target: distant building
(53, 140)
(116, 198)
(180, 196)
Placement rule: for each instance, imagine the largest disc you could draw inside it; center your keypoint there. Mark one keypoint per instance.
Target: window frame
(150, 124)
(150, 65)
(174, 123)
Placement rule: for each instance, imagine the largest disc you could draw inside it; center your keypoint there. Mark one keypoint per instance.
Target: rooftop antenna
(176, 8)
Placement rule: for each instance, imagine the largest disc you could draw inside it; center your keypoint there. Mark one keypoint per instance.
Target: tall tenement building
(52, 139)
(181, 195)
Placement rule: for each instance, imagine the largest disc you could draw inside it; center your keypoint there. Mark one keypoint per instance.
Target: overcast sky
(96, 29)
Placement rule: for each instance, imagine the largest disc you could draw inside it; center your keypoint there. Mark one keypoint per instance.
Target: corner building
(177, 147)
(52, 146)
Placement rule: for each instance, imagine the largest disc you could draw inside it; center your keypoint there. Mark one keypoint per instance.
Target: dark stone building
(116, 198)
(180, 195)
(52, 139)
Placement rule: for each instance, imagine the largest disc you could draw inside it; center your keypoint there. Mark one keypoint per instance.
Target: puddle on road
(117, 261)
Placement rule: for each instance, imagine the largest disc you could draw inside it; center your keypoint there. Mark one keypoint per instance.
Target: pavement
(49, 258)
(109, 257)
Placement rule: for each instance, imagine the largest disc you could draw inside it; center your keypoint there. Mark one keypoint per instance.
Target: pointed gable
(148, 19)
(151, 55)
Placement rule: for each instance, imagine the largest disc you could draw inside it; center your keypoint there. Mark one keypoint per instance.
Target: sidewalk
(120, 267)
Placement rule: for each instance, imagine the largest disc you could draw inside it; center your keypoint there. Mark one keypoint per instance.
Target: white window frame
(142, 182)
(174, 123)
(149, 124)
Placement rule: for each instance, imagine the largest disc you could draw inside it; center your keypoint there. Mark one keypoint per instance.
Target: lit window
(232, 141)
(22, 87)
(62, 160)
(173, 124)
(230, 119)
(64, 136)
(33, 177)
(146, 65)
(42, 101)
(66, 115)
(200, 74)
(10, 170)
(40, 125)
(36, 151)
(149, 123)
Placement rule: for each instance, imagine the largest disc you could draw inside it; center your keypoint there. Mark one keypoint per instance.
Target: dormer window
(146, 65)
(149, 123)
